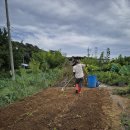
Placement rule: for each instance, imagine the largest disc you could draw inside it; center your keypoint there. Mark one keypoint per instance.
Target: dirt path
(52, 109)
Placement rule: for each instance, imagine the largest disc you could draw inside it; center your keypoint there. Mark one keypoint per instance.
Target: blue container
(92, 81)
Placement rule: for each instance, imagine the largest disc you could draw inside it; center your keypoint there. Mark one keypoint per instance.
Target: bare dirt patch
(52, 109)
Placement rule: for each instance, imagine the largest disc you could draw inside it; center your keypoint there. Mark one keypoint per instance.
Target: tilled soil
(53, 109)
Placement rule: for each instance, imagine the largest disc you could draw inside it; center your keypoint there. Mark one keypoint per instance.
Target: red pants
(78, 88)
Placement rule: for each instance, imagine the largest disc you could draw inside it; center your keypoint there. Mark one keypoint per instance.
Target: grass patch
(125, 121)
(27, 84)
(121, 91)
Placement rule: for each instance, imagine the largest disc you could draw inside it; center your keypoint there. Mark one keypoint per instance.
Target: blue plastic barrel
(91, 81)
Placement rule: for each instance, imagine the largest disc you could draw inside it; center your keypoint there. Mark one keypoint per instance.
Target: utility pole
(9, 40)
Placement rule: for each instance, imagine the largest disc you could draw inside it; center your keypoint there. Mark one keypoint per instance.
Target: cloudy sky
(71, 25)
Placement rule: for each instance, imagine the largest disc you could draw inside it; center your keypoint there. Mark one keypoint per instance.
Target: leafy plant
(115, 67)
(34, 65)
(125, 70)
(27, 84)
(111, 78)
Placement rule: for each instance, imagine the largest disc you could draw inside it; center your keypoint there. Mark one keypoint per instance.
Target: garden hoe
(63, 88)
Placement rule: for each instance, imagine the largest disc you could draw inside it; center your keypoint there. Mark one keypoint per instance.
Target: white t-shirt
(78, 69)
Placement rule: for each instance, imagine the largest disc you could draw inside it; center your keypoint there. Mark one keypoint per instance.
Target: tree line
(21, 52)
(26, 53)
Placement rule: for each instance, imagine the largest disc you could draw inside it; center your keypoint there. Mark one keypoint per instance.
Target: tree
(88, 52)
(3, 36)
(22, 52)
(121, 60)
(108, 55)
(49, 59)
(4, 50)
(101, 58)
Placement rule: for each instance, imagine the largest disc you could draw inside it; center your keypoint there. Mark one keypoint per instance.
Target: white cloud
(71, 24)
(55, 38)
(58, 8)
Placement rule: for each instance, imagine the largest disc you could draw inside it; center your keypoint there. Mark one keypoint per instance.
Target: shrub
(121, 91)
(115, 67)
(111, 78)
(125, 70)
(27, 84)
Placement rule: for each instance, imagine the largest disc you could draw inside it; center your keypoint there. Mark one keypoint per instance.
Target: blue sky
(71, 25)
